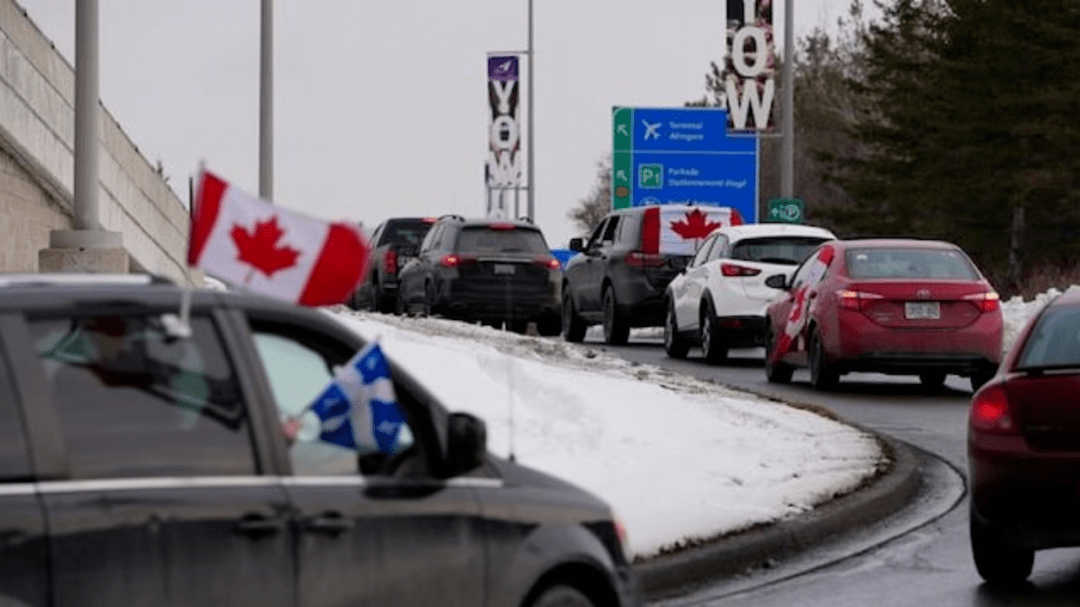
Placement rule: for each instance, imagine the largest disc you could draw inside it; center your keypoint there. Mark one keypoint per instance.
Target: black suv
(393, 244)
(485, 270)
(622, 272)
(143, 462)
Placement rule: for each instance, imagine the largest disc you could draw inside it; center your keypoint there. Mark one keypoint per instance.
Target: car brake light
(547, 262)
(453, 261)
(502, 227)
(986, 302)
(990, 412)
(730, 269)
(390, 262)
(856, 300)
(639, 259)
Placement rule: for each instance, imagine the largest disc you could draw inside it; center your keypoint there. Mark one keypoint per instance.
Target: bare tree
(591, 209)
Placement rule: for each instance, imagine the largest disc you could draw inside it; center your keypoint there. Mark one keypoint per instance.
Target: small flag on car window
(359, 409)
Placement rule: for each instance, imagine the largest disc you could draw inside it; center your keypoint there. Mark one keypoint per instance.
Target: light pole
(86, 123)
(266, 102)
(787, 146)
(531, 199)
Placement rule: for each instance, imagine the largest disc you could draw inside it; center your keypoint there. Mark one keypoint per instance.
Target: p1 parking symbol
(651, 176)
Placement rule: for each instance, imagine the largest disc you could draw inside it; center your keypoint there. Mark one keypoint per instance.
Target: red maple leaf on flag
(696, 225)
(259, 249)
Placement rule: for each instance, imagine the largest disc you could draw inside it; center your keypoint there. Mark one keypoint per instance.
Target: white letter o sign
(760, 52)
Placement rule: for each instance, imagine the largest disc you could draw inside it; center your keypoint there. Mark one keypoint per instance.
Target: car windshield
(483, 239)
(406, 236)
(869, 263)
(788, 250)
(1054, 340)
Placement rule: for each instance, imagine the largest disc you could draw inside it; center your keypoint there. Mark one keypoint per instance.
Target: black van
(143, 462)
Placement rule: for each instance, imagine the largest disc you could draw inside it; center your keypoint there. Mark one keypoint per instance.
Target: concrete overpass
(37, 132)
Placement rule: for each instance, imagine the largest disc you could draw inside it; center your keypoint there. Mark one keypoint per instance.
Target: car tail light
(856, 300)
(986, 302)
(502, 227)
(453, 261)
(990, 412)
(730, 269)
(390, 262)
(639, 259)
(547, 262)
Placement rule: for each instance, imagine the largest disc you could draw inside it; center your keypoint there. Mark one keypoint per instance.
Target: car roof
(1068, 298)
(487, 221)
(898, 243)
(755, 230)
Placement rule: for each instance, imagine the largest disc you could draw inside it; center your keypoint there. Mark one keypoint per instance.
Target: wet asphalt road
(924, 560)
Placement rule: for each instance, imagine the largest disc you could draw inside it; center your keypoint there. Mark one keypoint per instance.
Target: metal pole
(86, 115)
(532, 164)
(787, 148)
(266, 103)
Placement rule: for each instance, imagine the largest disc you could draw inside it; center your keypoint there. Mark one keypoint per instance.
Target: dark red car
(1024, 447)
(899, 306)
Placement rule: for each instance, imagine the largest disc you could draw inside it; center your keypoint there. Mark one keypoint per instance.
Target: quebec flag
(359, 409)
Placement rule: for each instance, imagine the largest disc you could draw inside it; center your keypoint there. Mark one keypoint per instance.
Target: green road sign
(785, 210)
(622, 158)
(651, 176)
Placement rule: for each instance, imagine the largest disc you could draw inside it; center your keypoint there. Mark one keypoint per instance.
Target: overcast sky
(381, 108)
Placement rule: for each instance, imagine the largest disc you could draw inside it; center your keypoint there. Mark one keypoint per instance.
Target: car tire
(775, 372)
(933, 379)
(712, 347)
(616, 329)
(521, 327)
(997, 561)
(674, 345)
(561, 596)
(822, 374)
(573, 327)
(428, 307)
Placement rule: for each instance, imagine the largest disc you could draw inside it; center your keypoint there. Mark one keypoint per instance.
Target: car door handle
(330, 523)
(258, 525)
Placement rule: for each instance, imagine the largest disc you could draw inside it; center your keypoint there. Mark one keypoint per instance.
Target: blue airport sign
(682, 155)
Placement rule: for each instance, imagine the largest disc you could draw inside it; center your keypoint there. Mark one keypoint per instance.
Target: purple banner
(503, 69)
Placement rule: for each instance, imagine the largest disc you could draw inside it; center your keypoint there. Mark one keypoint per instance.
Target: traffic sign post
(786, 210)
(682, 155)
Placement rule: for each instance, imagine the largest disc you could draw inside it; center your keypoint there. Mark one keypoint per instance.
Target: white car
(719, 300)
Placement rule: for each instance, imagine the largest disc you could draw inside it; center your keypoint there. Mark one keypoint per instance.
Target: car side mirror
(466, 443)
(577, 244)
(777, 281)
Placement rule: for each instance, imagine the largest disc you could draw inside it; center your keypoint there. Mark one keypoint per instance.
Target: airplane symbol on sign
(651, 130)
(622, 129)
(505, 66)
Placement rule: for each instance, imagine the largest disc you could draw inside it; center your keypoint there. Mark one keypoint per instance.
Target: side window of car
(133, 400)
(431, 238)
(720, 248)
(597, 234)
(703, 251)
(611, 230)
(376, 237)
(300, 370)
(14, 461)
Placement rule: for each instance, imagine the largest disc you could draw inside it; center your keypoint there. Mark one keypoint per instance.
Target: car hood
(518, 476)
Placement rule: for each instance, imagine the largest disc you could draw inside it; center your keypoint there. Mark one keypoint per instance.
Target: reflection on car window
(14, 461)
(135, 401)
(486, 240)
(1054, 340)
(780, 250)
(703, 251)
(298, 374)
(909, 263)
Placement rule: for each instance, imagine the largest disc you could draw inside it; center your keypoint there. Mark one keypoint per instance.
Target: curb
(674, 574)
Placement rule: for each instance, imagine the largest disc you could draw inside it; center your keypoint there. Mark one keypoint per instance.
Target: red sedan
(898, 306)
(1024, 447)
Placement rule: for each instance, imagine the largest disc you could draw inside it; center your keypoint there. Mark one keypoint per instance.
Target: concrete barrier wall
(37, 137)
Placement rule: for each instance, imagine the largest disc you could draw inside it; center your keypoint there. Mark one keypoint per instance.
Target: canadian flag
(265, 248)
(679, 229)
(800, 307)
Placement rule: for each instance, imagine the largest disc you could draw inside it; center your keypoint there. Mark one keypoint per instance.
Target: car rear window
(484, 239)
(406, 235)
(872, 263)
(1054, 340)
(789, 250)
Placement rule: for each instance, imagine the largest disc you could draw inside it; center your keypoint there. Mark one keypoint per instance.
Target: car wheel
(712, 346)
(675, 346)
(822, 374)
(518, 326)
(561, 596)
(775, 372)
(382, 303)
(549, 325)
(934, 379)
(998, 561)
(573, 327)
(616, 329)
(979, 378)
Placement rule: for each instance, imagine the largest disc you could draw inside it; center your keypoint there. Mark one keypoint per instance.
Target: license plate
(504, 268)
(922, 310)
